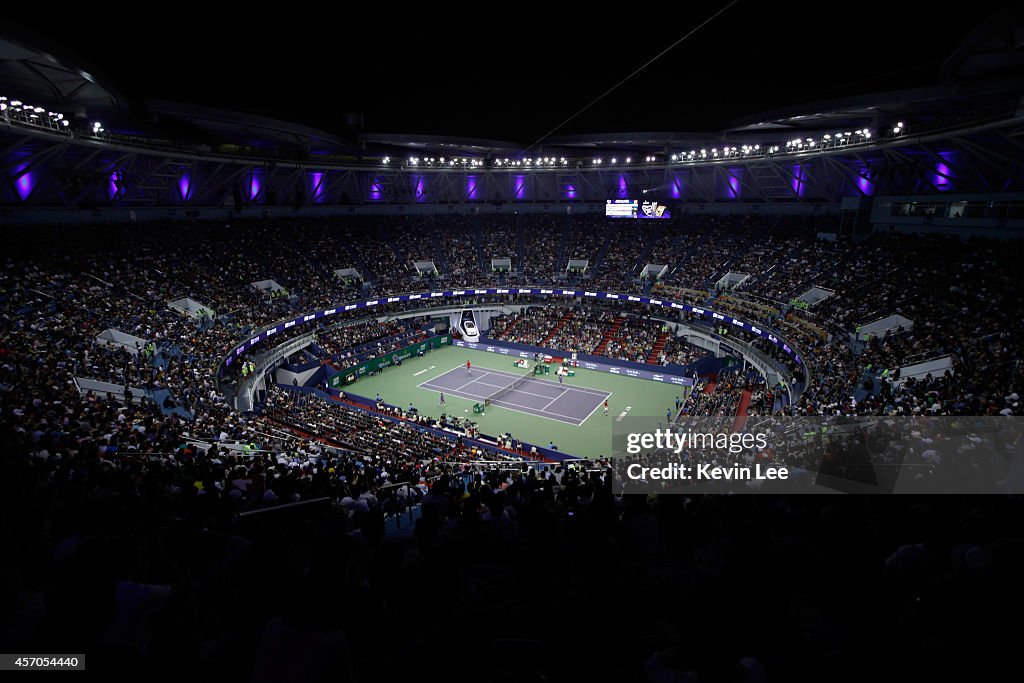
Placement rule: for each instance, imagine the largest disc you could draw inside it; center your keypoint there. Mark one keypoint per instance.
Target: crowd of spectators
(678, 351)
(634, 339)
(339, 341)
(531, 326)
(458, 239)
(124, 522)
(585, 238)
(719, 397)
(542, 240)
(582, 331)
(500, 239)
(621, 264)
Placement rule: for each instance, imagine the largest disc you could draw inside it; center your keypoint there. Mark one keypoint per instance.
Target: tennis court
(521, 392)
(526, 411)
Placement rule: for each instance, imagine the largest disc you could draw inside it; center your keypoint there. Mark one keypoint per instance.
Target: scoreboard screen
(633, 208)
(620, 208)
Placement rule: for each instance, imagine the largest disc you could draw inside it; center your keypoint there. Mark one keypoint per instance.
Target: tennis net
(509, 388)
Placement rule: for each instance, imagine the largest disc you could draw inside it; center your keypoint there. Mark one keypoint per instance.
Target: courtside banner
(861, 455)
(727, 320)
(338, 379)
(585, 361)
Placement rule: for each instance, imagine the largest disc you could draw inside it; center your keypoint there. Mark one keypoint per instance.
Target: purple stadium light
(254, 186)
(184, 187)
(471, 187)
(116, 184)
(864, 183)
(421, 188)
(798, 180)
(376, 193)
(520, 187)
(943, 177)
(25, 183)
(677, 187)
(316, 186)
(732, 188)
(623, 187)
(570, 191)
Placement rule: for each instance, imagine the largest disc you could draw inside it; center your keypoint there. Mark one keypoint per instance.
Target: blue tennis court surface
(540, 397)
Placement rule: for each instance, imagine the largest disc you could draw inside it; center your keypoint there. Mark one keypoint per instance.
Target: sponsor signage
(265, 334)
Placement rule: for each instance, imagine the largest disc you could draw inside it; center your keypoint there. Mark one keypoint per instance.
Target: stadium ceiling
(985, 73)
(452, 146)
(250, 130)
(993, 49)
(50, 77)
(965, 134)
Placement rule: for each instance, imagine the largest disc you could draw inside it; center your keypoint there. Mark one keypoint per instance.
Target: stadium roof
(45, 74)
(982, 73)
(250, 130)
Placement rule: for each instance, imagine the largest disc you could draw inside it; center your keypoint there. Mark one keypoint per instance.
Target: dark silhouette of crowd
(267, 545)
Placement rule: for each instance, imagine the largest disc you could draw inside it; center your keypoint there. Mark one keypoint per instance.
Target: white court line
(519, 389)
(584, 390)
(552, 401)
(423, 385)
(441, 375)
(474, 380)
(607, 396)
(575, 420)
(499, 373)
(604, 395)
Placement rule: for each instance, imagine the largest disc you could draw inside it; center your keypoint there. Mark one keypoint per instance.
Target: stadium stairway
(559, 325)
(609, 335)
(609, 237)
(563, 248)
(511, 326)
(521, 250)
(387, 236)
(401, 525)
(741, 412)
(655, 237)
(709, 388)
(360, 265)
(435, 241)
(659, 345)
(478, 240)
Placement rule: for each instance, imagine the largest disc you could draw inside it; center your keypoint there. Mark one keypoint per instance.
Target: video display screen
(634, 208)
